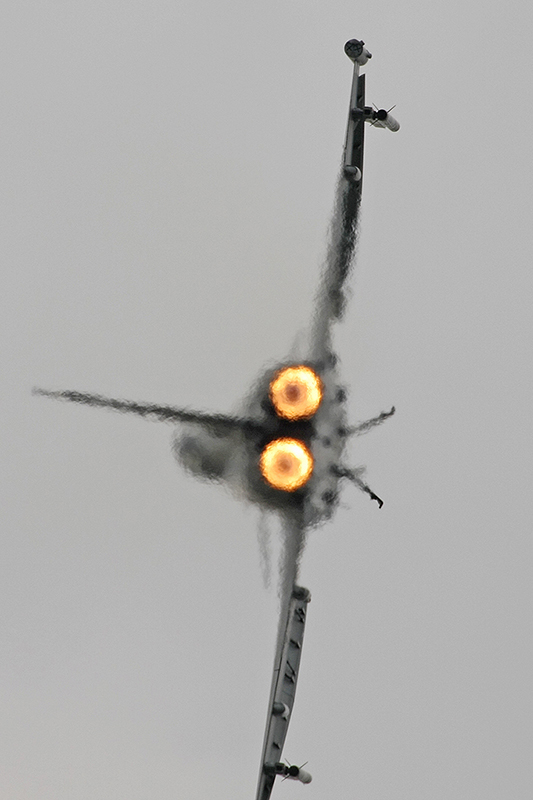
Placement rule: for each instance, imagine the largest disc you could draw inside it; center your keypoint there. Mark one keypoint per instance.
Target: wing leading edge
(282, 693)
(331, 298)
(344, 227)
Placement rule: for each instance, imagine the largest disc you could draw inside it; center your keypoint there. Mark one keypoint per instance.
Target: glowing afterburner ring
(296, 392)
(286, 464)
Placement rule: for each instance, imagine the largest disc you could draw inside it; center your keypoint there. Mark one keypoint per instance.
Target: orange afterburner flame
(286, 464)
(296, 392)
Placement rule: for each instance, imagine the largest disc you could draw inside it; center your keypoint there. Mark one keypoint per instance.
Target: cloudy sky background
(168, 175)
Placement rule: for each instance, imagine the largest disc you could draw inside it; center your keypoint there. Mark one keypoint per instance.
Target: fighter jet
(328, 423)
(284, 449)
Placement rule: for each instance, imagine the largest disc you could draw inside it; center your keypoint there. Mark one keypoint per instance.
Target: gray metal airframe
(226, 447)
(290, 637)
(282, 695)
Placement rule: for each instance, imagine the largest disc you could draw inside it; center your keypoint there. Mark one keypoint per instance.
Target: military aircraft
(284, 449)
(329, 428)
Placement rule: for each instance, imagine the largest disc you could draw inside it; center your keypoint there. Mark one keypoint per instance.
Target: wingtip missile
(357, 52)
(287, 771)
(378, 118)
(384, 119)
(299, 774)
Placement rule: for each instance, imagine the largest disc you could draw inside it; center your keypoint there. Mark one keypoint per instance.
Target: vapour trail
(364, 427)
(293, 544)
(342, 241)
(217, 422)
(329, 308)
(265, 557)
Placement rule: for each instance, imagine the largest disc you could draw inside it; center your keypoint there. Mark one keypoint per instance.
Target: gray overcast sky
(168, 175)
